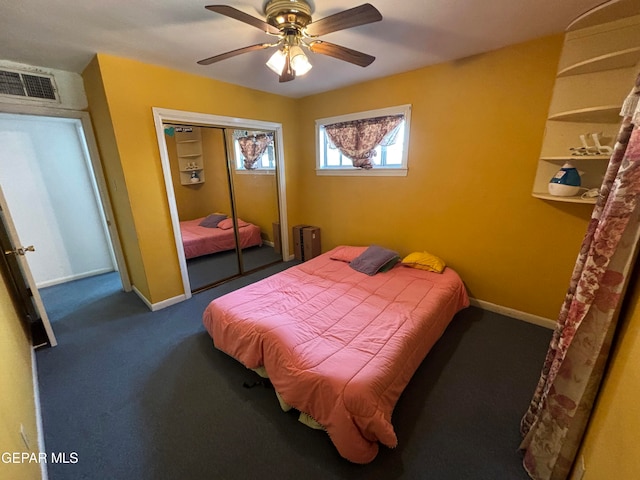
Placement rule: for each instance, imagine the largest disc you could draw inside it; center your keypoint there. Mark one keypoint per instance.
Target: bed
(198, 240)
(337, 344)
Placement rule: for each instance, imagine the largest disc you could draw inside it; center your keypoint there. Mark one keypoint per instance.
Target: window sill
(359, 172)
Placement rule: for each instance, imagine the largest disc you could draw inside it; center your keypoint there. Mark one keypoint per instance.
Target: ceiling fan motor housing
(288, 14)
(290, 21)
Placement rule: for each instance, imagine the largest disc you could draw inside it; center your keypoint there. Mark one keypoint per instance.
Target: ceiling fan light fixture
(277, 61)
(290, 21)
(299, 61)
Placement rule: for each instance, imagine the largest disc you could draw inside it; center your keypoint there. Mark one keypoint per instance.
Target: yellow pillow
(424, 261)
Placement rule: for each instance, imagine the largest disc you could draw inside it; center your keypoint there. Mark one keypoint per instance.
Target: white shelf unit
(190, 158)
(598, 66)
(576, 199)
(609, 61)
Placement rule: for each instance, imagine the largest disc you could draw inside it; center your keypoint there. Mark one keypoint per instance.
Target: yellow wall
(125, 92)
(476, 131)
(17, 405)
(216, 175)
(114, 175)
(610, 447)
(256, 198)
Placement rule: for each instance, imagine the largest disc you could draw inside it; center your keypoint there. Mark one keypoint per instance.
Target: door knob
(20, 250)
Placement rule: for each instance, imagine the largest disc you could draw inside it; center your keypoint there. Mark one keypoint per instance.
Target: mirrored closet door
(225, 189)
(252, 169)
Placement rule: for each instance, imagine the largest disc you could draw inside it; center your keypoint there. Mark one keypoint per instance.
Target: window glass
(389, 157)
(266, 161)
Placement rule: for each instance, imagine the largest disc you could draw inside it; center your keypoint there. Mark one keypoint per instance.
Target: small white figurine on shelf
(586, 149)
(602, 149)
(194, 177)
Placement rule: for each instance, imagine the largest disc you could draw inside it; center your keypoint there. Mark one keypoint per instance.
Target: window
(265, 163)
(389, 157)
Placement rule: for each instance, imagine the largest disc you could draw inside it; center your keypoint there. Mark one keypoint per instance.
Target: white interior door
(18, 251)
(46, 177)
(66, 129)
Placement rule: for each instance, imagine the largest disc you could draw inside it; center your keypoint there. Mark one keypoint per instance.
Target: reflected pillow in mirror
(227, 224)
(212, 221)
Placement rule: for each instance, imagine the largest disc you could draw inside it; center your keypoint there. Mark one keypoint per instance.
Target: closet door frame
(162, 116)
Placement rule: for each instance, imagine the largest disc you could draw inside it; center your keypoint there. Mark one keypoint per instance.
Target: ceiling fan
(290, 21)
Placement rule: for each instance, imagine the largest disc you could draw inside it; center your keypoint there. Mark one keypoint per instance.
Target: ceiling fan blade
(288, 73)
(341, 53)
(243, 17)
(233, 53)
(353, 17)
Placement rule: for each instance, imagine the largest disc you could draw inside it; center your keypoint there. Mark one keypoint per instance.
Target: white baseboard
(168, 302)
(517, 314)
(70, 278)
(36, 400)
(154, 307)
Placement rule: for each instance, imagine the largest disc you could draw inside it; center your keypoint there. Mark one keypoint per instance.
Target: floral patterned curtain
(253, 147)
(554, 424)
(358, 139)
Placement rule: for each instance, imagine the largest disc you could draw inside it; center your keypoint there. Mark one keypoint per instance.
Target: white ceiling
(65, 34)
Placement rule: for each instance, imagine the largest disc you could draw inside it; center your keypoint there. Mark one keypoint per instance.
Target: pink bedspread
(199, 240)
(338, 344)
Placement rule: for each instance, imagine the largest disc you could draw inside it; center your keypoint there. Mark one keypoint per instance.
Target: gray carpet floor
(145, 395)
(210, 269)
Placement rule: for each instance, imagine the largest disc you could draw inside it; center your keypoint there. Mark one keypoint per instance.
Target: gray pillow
(373, 259)
(212, 221)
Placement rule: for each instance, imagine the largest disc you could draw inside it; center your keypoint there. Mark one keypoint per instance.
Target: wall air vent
(27, 85)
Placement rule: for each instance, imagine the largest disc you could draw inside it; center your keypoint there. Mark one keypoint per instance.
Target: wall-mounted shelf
(605, 13)
(575, 199)
(576, 158)
(598, 66)
(602, 114)
(610, 61)
(190, 159)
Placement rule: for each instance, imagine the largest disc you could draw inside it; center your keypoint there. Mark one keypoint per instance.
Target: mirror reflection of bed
(226, 199)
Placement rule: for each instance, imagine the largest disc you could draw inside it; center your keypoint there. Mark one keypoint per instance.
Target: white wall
(50, 190)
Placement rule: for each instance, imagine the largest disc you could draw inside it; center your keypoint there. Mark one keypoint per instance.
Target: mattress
(199, 240)
(337, 344)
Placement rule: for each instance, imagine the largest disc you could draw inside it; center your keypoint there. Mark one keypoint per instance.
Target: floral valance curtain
(357, 139)
(253, 147)
(553, 426)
